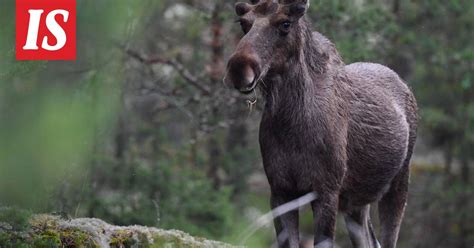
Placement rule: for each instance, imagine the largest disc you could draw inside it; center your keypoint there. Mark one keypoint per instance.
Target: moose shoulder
(345, 132)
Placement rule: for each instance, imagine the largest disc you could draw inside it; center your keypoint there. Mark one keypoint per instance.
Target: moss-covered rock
(52, 231)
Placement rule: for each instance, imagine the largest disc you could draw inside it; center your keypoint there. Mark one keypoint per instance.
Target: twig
(275, 213)
(180, 68)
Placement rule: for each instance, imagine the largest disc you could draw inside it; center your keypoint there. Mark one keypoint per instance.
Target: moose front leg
(286, 226)
(324, 214)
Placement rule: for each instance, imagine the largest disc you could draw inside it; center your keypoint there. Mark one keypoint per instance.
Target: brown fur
(346, 132)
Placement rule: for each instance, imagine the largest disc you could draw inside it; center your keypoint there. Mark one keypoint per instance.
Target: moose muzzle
(243, 72)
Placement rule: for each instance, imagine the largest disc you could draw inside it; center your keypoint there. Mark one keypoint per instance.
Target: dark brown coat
(345, 132)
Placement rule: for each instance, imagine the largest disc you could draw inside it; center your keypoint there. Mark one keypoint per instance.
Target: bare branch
(180, 68)
(188, 76)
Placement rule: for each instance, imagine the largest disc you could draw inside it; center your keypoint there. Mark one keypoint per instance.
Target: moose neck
(288, 92)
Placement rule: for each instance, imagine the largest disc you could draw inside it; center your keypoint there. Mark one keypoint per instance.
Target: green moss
(6, 240)
(76, 238)
(63, 238)
(143, 240)
(41, 223)
(12, 240)
(122, 239)
(48, 239)
(43, 231)
(171, 241)
(17, 219)
(47, 231)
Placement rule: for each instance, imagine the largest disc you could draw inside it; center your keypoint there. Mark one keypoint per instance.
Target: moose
(344, 132)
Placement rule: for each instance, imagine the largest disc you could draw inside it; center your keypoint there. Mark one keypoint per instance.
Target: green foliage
(17, 219)
(165, 194)
(360, 30)
(48, 128)
(435, 208)
(9, 240)
(443, 83)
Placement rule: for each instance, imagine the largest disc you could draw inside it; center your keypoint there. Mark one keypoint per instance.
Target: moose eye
(285, 27)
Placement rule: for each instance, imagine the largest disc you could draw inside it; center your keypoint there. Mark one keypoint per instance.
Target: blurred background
(141, 130)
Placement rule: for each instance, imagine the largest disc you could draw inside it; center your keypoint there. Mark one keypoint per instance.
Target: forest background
(141, 130)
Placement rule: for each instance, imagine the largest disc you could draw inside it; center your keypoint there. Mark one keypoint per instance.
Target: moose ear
(295, 8)
(242, 8)
(298, 10)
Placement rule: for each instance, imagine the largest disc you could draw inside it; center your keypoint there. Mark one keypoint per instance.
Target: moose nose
(249, 75)
(242, 73)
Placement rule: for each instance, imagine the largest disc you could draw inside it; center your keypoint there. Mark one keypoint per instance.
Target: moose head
(274, 31)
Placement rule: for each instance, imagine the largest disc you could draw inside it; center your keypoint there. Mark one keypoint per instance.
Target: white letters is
(51, 24)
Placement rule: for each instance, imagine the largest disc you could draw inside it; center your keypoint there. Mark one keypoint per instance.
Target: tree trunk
(397, 61)
(465, 223)
(214, 161)
(448, 163)
(465, 170)
(194, 147)
(396, 8)
(215, 70)
(120, 140)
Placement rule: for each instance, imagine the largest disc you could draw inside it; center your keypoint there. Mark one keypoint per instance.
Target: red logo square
(46, 29)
